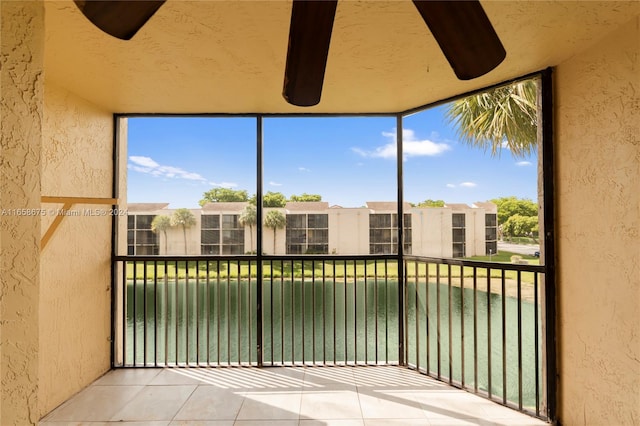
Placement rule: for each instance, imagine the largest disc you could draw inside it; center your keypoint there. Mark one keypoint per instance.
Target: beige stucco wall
(598, 231)
(431, 232)
(475, 232)
(75, 272)
(348, 231)
(21, 90)
(175, 238)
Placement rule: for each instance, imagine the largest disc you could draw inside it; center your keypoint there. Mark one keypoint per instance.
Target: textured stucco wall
(21, 105)
(432, 236)
(475, 232)
(75, 298)
(351, 234)
(598, 231)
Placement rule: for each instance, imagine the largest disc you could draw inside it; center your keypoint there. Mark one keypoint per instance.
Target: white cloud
(462, 185)
(523, 163)
(224, 184)
(412, 147)
(143, 161)
(303, 169)
(272, 183)
(147, 165)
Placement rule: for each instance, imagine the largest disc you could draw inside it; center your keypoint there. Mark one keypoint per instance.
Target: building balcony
(342, 340)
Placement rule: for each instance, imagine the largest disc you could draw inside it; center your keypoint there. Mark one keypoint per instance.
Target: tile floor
(279, 396)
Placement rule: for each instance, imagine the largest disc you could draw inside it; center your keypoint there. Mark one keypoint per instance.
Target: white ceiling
(229, 56)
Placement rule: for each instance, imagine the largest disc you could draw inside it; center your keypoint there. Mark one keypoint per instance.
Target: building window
(232, 234)
(491, 233)
(383, 233)
(458, 230)
(141, 240)
(210, 234)
(307, 234)
(221, 234)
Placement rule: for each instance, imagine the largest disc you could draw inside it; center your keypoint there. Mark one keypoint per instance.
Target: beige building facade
(456, 230)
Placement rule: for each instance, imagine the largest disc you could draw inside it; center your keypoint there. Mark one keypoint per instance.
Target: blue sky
(347, 160)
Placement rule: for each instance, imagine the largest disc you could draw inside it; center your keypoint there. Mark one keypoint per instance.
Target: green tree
(521, 226)
(223, 195)
(161, 224)
(506, 114)
(248, 217)
(305, 198)
(185, 219)
(274, 199)
(431, 203)
(510, 206)
(275, 220)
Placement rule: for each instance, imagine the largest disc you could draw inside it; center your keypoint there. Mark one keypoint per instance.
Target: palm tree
(161, 224)
(505, 115)
(186, 219)
(248, 218)
(275, 220)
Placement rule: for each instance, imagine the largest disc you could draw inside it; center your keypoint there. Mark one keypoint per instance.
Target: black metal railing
(315, 310)
(475, 325)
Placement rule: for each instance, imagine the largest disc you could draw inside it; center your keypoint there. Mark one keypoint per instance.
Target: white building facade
(455, 230)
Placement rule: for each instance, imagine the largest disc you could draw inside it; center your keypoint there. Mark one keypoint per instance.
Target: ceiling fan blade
(465, 35)
(309, 38)
(121, 19)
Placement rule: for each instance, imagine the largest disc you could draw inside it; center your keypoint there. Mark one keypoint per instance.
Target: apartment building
(455, 230)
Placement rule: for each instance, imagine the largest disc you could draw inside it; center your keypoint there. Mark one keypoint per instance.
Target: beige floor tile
(155, 403)
(332, 422)
(222, 378)
(270, 406)
(271, 378)
(459, 422)
(389, 405)
(128, 377)
(45, 423)
(330, 375)
(164, 423)
(210, 402)
(96, 403)
(279, 396)
(180, 376)
(397, 422)
(337, 403)
(521, 420)
(393, 377)
(455, 405)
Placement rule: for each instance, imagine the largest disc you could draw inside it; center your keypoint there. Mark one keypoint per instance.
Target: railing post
(548, 248)
(259, 280)
(401, 272)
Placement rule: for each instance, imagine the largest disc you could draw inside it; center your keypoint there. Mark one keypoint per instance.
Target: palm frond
(506, 114)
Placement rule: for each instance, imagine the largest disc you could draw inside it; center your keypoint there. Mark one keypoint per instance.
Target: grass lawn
(505, 257)
(277, 269)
